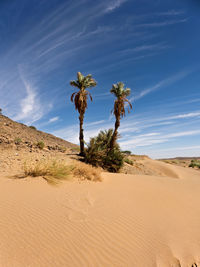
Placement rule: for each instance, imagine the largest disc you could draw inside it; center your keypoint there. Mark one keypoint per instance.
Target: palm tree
(121, 94)
(80, 101)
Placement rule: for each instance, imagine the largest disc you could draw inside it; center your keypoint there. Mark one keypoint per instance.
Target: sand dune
(126, 220)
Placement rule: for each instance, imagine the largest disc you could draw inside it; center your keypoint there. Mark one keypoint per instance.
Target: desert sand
(125, 220)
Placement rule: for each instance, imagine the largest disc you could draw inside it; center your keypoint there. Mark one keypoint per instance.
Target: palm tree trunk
(114, 137)
(81, 137)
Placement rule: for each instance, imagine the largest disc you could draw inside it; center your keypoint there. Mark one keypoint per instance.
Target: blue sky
(152, 46)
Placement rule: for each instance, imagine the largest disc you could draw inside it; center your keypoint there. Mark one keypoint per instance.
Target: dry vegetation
(51, 170)
(54, 171)
(86, 172)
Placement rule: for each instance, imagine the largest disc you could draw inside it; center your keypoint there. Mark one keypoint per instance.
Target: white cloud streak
(114, 5)
(162, 24)
(171, 13)
(147, 47)
(152, 138)
(164, 83)
(186, 115)
(30, 107)
(53, 119)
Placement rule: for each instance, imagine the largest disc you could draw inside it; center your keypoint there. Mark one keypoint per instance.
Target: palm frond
(72, 96)
(126, 100)
(127, 92)
(80, 77)
(75, 84)
(90, 95)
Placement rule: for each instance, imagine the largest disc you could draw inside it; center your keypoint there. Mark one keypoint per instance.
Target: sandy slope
(125, 220)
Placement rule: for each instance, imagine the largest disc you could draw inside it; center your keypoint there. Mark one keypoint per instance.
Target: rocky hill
(19, 136)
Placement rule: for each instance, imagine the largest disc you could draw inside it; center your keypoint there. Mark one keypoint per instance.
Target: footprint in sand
(78, 209)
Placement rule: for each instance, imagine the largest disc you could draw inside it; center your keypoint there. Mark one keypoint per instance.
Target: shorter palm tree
(80, 101)
(121, 94)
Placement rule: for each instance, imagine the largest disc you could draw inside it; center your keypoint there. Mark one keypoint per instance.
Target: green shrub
(126, 152)
(195, 163)
(17, 141)
(98, 152)
(40, 145)
(129, 161)
(33, 127)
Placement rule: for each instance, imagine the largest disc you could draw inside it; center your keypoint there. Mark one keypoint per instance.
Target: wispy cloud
(162, 23)
(30, 107)
(147, 47)
(164, 83)
(114, 5)
(155, 138)
(186, 115)
(180, 134)
(53, 119)
(171, 13)
(95, 123)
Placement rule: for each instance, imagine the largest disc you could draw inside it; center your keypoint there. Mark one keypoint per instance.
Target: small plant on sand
(99, 154)
(40, 144)
(195, 164)
(51, 170)
(17, 141)
(86, 172)
(32, 127)
(0, 111)
(128, 161)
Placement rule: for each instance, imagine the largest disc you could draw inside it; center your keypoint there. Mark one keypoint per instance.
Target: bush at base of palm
(98, 152)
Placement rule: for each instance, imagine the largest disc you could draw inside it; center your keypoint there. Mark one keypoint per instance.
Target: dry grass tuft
(86, 172)
(51, 170)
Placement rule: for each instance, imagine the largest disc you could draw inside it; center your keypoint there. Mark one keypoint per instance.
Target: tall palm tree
(121, 94)
(80, 101)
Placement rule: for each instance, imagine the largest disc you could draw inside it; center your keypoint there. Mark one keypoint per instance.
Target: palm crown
(83, 82)
(121, 94)
(80, 98)
(119, 91)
